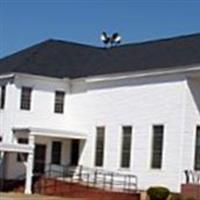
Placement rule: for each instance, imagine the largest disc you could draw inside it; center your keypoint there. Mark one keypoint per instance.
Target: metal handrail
(192, 176)
(93, 177)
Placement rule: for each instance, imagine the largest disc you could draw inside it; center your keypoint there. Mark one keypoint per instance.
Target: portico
(7, 148)
(43, 147)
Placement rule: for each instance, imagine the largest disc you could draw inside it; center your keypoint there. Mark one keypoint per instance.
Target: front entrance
(74, 152)
(39, 159)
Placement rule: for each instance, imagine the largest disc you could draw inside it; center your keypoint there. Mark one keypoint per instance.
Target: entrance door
(39, 158)
(74, 152)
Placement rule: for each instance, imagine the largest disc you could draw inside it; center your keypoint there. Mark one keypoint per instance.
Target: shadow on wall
(194, 85)
(82, 87)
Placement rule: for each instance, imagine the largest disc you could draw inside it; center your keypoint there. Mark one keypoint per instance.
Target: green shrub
(176, 197)
(158, 193)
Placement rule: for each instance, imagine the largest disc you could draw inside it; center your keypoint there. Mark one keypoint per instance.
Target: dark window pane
(74, 152)
(22, 157)
(2, 96)
(157, 147)
(126, 146)
(23, 140)
(197, 150)
(99, 146)
(56, 153)
(59, 102)
(26, 98)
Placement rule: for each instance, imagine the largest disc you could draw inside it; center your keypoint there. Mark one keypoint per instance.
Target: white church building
(132, 108)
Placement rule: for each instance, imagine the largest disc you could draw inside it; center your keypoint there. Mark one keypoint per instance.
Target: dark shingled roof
(57, 58)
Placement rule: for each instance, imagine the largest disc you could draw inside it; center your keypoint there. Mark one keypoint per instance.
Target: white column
(29, 174)
(29, 167)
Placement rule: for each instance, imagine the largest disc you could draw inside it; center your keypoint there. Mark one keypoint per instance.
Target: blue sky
(26, 22)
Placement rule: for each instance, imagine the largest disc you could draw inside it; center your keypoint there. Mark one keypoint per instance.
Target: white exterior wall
(7, 114)
(192, 120)
(42, 113)
(139, 102)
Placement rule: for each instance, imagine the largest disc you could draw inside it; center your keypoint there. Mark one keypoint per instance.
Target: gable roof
(56, 58)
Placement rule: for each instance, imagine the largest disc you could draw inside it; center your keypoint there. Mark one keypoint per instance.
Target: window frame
(197, 149)
(22, 157)
(59, 101)
(122, 164)
(99, 162)
(25, 101)
(56, 156)
(2, 97)
(153, 165)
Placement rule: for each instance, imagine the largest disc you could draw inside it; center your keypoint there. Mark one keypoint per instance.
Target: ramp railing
(192, 177)
(93, 177)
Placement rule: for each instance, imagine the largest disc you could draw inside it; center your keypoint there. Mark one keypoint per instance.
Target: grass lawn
(19, 196)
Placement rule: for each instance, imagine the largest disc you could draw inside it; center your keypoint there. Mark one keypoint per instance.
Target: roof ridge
(164, 39)
(161, 39)
(72, 43)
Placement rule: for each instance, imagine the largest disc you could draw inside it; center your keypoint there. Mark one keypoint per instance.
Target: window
(2, 96)
(157, 147)
(26, 98)
(197, 150)
(126, 146)
(100, 134)
(75, 146)
(56, 152)
(22, 157)
(59, 102)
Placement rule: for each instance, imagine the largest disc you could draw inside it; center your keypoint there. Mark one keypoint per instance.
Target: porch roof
(20, 148)
(51, 133)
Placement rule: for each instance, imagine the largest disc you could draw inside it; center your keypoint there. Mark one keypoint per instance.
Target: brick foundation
(75, 190)
(190, 190)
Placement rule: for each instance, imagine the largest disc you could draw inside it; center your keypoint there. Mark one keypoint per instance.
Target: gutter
(112, 76)
(145, 73)
(6, 76)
